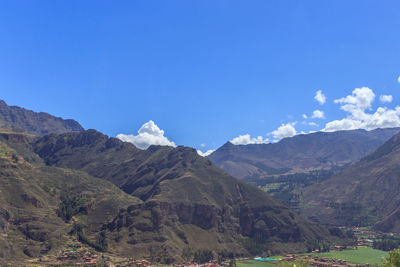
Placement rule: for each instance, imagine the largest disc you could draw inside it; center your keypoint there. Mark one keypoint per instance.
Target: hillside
(37, 123)
(285, 168)
(188, 201)
(40, 205)
(365, 193)
(129, 202)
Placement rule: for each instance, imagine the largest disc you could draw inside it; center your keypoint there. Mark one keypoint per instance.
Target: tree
(187, 254)
(202, 256)
(70, 206)
(393, 260)
(232, 263)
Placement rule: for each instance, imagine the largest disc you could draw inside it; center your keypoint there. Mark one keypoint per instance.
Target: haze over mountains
(116, 198)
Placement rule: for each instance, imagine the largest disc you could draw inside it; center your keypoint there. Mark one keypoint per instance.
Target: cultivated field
(360, 256)
(254, 263)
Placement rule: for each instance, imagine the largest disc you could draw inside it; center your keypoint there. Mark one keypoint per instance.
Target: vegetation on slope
(365, 193)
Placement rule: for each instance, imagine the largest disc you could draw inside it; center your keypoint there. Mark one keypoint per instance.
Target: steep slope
(299, 154)
(365, 193)
(187, 200)
(20, 119)
(40, 205)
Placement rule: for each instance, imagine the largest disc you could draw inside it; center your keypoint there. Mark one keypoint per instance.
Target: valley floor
(362, 255)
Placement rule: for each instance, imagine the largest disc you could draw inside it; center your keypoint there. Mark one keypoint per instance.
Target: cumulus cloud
(318, 114)
(360, 100)
(304, 116)
(246, 139)
(312, 124)
(386, 98)
(149, 134)
(398, 79)
(356, 105)
(320, 97)
(285, 130)
(205, 154)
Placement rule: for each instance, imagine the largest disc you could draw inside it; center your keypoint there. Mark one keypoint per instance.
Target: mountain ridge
(170, 198)
(301, 153)
(38, 123)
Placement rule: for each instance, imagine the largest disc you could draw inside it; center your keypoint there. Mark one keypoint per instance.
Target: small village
(83, 257)
(78, 254)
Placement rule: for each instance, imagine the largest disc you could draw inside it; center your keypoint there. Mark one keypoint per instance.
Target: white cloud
(343, 124)
(203, 145)
(149, 134)
(356, 105)
(285, 130)
(312, 124)
(246, 139)
(304, 116)
(386, 98)
(205, 154)
(398, 79)
(320, 97)
(359, 100)
(318, 114)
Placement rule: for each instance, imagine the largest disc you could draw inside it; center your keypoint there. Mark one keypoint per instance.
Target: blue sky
(205, 72)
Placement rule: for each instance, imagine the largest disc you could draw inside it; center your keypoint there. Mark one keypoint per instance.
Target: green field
(361, 255)
(254, 263)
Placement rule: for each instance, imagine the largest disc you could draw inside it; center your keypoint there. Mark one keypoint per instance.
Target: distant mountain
(37, 123)
(366, 193)
(299, 154)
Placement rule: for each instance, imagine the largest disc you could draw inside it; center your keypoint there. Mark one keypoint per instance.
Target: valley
(148, 204)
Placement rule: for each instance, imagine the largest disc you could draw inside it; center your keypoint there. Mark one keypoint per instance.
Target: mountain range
(343, 178)
(80, 185)
(285, 168)
(302, 153)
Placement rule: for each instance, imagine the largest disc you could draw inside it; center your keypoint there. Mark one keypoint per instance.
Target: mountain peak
(37, 123)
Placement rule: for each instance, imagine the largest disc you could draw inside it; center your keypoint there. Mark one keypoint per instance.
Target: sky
(201, 73)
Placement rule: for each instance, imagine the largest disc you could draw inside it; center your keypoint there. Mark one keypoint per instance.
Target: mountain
(285, 168)
(84, 187)
(20, 119)
(187, 201)
(366, 193)
(299, 154)
(40, 205)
